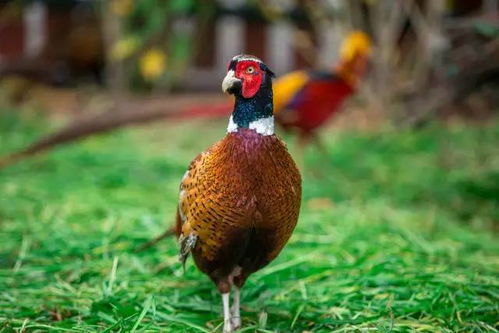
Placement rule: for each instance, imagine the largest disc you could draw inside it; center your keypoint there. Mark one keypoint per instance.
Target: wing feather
(286, 87)
(207, 213)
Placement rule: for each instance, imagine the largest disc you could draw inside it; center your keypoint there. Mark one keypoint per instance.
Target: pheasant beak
(231, 84)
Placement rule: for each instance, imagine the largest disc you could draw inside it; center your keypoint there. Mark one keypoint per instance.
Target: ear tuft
(267, 70)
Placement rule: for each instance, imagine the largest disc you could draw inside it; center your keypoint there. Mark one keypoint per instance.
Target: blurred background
(166, 47)
(401, 183)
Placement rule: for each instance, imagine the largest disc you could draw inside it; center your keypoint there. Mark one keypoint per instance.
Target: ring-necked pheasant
(240, 199)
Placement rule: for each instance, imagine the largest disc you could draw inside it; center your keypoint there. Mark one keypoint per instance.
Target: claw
(228, 326)
(236, 322)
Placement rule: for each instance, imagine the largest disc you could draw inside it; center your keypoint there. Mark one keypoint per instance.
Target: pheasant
(239, 200)
(306, 100)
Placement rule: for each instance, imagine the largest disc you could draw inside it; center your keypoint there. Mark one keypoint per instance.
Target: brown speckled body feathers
(239, 203)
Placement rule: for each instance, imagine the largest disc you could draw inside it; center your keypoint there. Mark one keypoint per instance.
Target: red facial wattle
(252, 79)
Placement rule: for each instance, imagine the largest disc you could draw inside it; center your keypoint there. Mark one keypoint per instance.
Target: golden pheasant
(240, 199)
(305, 100)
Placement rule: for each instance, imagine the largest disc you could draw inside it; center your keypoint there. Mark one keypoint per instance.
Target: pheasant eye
(250, 70)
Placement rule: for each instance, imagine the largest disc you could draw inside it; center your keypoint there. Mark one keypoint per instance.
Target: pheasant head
(250, 81)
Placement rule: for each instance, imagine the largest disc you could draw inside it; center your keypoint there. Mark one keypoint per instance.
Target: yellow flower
(152, 64)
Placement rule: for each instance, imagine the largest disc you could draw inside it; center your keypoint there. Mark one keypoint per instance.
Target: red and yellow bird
(240, 199)
(305, 100)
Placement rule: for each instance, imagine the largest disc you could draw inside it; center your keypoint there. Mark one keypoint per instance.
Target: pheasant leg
(227, 319)
(235, 309)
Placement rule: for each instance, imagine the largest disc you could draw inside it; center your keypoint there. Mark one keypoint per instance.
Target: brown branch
(108, 121)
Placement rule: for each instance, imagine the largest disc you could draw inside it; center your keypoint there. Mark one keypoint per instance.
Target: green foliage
(487, 30)
(396, 234)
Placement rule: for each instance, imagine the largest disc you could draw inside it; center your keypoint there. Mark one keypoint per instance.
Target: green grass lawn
(396, 233)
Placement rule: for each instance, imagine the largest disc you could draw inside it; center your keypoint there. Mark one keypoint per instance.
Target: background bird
(306, 100)
(239, 200)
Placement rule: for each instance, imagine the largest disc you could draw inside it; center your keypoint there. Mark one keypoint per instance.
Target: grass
(396, 234)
